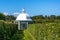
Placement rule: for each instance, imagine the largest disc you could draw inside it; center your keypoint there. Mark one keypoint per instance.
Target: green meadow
(35, 31)
(44, 31)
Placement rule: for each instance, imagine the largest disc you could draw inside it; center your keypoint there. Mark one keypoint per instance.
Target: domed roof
(23, 16)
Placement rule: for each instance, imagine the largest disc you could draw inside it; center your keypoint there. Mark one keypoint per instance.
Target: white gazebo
(23, 19)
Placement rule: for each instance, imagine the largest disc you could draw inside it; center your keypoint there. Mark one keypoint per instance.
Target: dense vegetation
(6, 17)
(44, 31)
(9, 31)
(36, 31)
(41, 18)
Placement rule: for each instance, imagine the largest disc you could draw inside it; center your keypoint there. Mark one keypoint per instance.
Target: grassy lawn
(36, 31)
(44, 31)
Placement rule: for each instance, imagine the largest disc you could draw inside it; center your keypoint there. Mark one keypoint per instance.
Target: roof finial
(23, 10)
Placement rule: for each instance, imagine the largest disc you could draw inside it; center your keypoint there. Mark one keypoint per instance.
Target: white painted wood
(27, 25)
(18, 25)
(23, 16)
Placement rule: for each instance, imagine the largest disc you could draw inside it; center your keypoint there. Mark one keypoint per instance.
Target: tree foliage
(6, 17)
(36, 19)
(10, 32)
(41, 18)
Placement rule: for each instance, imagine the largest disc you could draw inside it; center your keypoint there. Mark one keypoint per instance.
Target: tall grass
(9, 31)
(45, 31)
(36, 31)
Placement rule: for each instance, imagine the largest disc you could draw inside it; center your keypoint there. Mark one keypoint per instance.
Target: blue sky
(32, 7)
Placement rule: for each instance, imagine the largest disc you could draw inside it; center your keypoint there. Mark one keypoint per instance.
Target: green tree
(2, 16)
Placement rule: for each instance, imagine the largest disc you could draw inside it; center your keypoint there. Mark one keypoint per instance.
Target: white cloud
(16, 14)
(5, 13)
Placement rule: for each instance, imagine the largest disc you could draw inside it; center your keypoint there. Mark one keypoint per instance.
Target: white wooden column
(18, 25)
